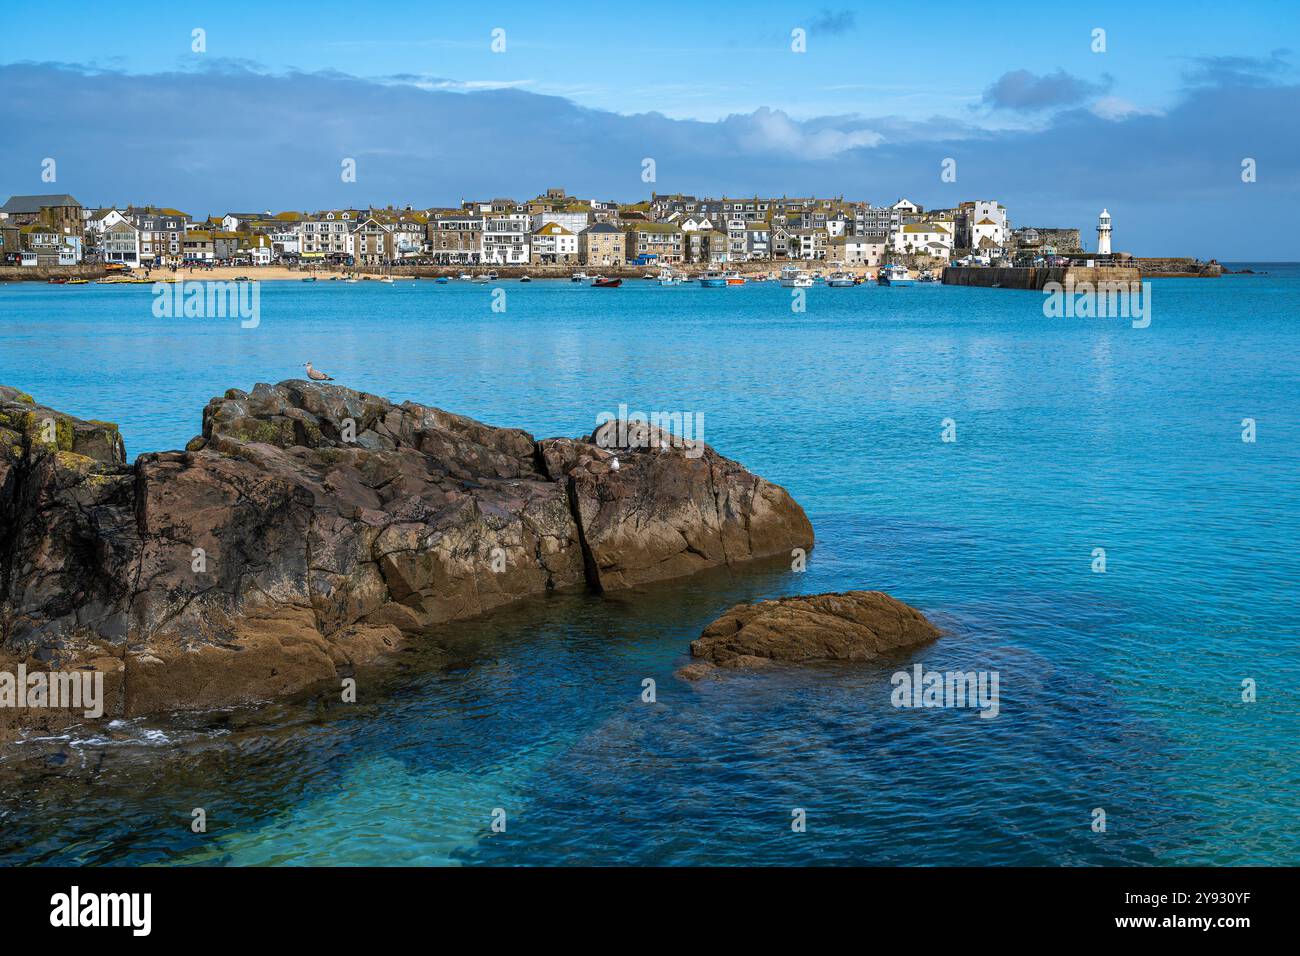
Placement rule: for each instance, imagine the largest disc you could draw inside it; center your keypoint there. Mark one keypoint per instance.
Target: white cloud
(773, 130)
(1118, 108)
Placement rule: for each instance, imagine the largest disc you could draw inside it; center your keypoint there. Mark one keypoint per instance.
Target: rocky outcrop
(853, 626)
(310, 528)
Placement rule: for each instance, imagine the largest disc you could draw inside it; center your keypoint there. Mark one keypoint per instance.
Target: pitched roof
(18, 205)
(602, 227)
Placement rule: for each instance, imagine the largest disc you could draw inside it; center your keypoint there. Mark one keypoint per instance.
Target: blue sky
(1155, 127)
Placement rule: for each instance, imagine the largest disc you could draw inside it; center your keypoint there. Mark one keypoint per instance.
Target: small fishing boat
(790, 276)
(734, 278)
(442, 280)
(388, 280)
(713, 280)
(494, 275)
(600, 282)
(841, 280)
(464, 276)
(481, 280)
(57, 281)
(525, 279)
(78, 281)
(350, 280)
(309, 279)
(893, 275)
(578, 277)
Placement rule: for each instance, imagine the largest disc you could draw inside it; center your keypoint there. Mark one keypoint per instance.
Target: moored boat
(790, 276)
(893, 275)
(578, 277)
(713, 280)
(600, 282)
(734, 278)
(841, 280)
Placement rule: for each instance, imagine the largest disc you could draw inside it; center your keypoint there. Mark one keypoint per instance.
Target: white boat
(893, 275)
(734, 278)
(790, 276)
(388, 279)
(578, 277)
(841, 280)
(465, 276)
(482, 280)
(668, 277)
(525, 279)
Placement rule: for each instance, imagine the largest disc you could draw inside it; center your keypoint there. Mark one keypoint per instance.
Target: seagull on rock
(316, 375)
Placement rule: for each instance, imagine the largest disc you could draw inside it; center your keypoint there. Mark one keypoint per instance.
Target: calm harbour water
(1119, 690)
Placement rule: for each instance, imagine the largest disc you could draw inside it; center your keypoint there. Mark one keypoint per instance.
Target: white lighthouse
(1103, 234)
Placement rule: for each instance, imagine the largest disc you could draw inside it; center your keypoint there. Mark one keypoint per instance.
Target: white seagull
(316, 375)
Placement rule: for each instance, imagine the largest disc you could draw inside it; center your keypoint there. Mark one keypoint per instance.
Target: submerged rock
(853, 626)
(310, 528)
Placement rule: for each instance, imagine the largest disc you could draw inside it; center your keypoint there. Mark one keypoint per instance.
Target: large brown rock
(853, 626)
(310, 528)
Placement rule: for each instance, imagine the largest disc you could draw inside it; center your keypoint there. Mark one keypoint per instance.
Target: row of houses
(552, 229)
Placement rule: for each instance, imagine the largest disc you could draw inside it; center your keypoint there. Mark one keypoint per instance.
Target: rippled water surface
(1119, 690)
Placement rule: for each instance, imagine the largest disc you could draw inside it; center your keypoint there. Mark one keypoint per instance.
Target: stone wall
(42, 273)
(1025, 277)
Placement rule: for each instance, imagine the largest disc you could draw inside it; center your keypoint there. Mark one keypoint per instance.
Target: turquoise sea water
(1119, 691)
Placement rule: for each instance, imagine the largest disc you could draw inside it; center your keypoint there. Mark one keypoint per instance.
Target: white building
(554, 244)
(505, 239)
(327, 234)
(120, 242)
(981, 220)
(857, 251)
(574, 222)
(924, 238)
(1103, 233)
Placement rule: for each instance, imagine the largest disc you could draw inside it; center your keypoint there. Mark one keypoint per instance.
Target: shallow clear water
(1119, 690)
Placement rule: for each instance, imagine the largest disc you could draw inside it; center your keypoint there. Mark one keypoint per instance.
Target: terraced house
(326, 235)
(505, 238)
(162, 234)
(455, 237)
(554, 245)
(602, 244)
(372, 243)
(658, 243)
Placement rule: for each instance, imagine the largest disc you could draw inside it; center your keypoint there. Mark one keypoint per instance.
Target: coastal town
(554, 229)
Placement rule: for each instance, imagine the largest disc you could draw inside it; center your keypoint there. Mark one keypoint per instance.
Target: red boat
(606, 283)
(57, 281)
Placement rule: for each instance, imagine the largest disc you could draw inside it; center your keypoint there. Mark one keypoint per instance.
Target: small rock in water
(853, 626)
